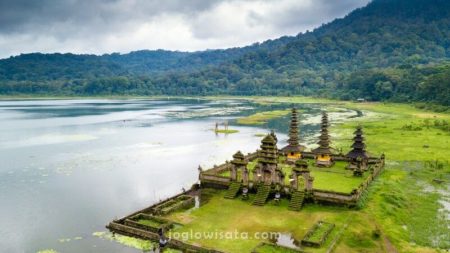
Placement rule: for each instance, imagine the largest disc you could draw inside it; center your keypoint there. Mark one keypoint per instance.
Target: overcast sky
(105, 26)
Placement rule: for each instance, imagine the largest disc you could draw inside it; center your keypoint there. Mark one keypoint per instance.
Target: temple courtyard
(342, 179)
(228, 216)
(272, 200)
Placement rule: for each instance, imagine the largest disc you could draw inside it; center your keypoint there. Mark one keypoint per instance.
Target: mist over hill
(396, 50)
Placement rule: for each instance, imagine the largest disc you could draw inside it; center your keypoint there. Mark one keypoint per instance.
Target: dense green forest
(396, 50)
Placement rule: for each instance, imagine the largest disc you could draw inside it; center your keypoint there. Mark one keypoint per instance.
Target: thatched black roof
(289, 148)
(239, 159)
(269, 150)
(324, 138)
(358, 146)
(293, 141)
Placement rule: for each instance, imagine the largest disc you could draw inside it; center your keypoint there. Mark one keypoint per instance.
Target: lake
(68, 167)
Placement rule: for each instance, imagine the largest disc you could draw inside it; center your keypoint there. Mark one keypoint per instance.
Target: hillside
(388, 50)
(47, 67)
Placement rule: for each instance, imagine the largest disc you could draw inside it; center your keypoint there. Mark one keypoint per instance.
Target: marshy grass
(261, 118)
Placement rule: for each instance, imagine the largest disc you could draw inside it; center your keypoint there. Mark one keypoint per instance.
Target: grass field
(319, 232)
(150, 223)
(268, 248)
(400, 211)
(401, 131)
(223, 215)
(404, 208)
(337, 182)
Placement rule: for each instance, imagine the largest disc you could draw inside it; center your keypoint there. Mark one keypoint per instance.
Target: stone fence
(352, 198)
(116, 227)
(219, 169)
(150, 209)
(212, 179)
(338, 157)
(335, 197)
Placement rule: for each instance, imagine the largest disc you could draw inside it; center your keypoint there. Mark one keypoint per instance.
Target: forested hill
(47, 67)
(389, 50)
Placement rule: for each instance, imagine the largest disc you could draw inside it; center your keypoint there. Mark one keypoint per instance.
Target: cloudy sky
(105, 26)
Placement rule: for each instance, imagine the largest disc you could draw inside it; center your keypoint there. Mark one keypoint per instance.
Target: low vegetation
(271, 248)
(319, 232)
(226, 131)
(402, 210)
(223, 215)
(261, 118)
(126, 240)
(150, 223)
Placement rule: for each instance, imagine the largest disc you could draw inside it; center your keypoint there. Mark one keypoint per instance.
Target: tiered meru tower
(323, 152)
(358, 156)
(267, 171)
(293, 150)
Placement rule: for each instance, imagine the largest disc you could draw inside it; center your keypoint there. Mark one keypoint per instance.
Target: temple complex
(323, 154)
(293, 150)
(293, 176)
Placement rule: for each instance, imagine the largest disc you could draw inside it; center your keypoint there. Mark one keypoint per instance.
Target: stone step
(261, 195)
(296, 202)
(233, 190)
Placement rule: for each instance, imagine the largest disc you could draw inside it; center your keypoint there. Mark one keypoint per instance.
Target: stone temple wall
(210, 179)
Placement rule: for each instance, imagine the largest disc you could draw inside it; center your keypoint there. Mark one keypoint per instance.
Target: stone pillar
(200, 171)
(309, 184)
(245, 176)
(256, 171)
(233, 174)
(279, 177)
(275, 175)
(308, 180)
(294, 182)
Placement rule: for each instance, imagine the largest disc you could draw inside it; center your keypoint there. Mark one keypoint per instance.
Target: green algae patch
(261, 118)
(47, 251)
(125, 240)
(226, 131)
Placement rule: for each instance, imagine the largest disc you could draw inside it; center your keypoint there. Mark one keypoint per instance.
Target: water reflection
(287, 240)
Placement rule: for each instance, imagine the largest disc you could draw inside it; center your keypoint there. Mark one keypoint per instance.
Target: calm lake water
(68, 167)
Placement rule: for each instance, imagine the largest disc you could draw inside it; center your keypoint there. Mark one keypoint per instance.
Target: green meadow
(403, 211)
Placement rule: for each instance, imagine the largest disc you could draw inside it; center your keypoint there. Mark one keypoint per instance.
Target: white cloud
(106, 26)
